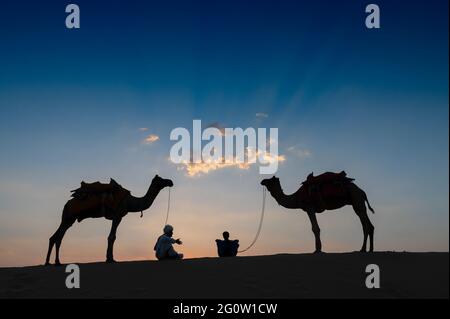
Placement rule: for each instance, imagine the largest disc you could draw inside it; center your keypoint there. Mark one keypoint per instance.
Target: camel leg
(59, 237)
(316, 231)
(365, 234)
(370, 230)
(51, 243)
(367, 226)
(111, 240)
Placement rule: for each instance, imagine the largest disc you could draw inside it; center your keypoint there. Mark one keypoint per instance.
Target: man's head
(226, 235)
(168, 230)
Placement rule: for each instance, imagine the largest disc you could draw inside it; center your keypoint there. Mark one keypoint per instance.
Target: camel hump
(97, 188)
(327, 177)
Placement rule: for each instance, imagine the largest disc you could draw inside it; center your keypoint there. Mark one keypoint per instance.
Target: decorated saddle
(105, 198)
(326, 185)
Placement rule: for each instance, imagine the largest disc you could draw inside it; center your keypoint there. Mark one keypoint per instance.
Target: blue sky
(371, 102)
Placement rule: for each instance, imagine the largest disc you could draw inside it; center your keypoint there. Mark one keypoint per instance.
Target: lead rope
(168, 209)
(263, 208)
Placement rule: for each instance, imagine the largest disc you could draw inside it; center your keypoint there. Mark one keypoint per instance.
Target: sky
(100, 101)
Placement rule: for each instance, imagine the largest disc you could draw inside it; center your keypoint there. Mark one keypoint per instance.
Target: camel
(102, 205)
(336, 191)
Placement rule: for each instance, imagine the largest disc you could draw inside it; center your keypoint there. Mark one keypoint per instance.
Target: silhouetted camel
(347, 194)
(79, 209)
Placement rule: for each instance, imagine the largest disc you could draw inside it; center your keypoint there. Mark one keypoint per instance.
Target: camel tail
(368, 204)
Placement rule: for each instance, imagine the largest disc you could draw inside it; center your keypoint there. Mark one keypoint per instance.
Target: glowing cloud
(205, 167)
(151, 139)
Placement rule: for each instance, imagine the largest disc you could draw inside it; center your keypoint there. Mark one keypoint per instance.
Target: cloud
(143, 129)
(262, 115)
(300, 153)
(205, 167)
(151, 139)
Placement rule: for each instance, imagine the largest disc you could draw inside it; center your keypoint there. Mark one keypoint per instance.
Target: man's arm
(171, 240)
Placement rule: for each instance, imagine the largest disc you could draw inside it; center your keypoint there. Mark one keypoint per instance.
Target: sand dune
(403, 275)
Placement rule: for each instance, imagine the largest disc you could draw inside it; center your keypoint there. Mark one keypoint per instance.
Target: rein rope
(263, 208)
(168, 209)
(258, 232)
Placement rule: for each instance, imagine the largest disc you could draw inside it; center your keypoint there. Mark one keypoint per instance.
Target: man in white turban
(164, 245)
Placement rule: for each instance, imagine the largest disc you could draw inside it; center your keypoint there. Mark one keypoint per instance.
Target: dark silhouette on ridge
(164, 245)
(227, 247)
(110, 201)
(327, 191)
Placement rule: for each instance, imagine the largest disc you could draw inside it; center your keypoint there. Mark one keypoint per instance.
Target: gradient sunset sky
(101, 101)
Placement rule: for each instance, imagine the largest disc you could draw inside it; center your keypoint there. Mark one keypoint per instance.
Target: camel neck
(139, 204)
(288, 201)
(151, 194)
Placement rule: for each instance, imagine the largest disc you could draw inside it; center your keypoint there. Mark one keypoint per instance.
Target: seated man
(227, 247)
(164, 248)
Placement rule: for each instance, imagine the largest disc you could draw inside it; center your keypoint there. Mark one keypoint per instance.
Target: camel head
(161, 183)
(270, 183)
(139, 204)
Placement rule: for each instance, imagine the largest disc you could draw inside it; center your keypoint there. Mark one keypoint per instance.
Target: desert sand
(331, 275)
